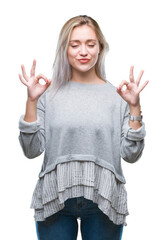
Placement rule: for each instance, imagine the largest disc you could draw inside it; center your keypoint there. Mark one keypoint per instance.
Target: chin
(84, 68)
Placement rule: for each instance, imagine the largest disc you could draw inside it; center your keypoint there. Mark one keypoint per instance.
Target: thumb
(48, 81)
(119, 89)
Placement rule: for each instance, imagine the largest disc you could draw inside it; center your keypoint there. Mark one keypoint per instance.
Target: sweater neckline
(88, 84)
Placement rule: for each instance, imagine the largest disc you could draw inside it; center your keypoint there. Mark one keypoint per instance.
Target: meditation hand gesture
(34, 88)
(131, 94)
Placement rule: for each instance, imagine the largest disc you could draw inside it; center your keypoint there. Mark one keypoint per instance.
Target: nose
(83, 51)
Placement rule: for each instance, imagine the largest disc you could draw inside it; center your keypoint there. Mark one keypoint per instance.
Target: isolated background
(136, 33)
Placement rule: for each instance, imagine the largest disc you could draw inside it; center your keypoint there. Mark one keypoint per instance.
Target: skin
(80, 46)
(131, 95)
(34, 91)
(84, 44)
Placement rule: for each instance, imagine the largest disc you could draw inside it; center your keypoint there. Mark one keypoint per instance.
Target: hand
(131, 94)
(34, 88)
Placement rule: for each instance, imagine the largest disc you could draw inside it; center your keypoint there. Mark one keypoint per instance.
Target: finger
(33, 68)
(49, 81)
(121, 93)
(143, 86)
(139, 77)
(124, 82)
(23, 81)
(47, 84)
(42, 76)
(131, 77)
(24, 72)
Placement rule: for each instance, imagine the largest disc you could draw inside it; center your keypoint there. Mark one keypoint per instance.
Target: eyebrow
(89, 40)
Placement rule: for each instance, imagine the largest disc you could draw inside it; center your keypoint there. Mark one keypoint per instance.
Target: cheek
(95, 52)
(95, 55)
(71, 55)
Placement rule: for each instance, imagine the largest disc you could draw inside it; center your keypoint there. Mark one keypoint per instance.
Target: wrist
(135, 110)
(29, 100)
(31, 110)
(135, 116)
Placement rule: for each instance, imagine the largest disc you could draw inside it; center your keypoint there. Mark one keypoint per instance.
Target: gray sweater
(83, 122)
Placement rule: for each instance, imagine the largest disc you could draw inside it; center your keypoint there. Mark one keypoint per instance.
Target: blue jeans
(63, 225)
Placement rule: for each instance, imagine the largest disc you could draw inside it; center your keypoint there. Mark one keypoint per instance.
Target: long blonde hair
(61, 67)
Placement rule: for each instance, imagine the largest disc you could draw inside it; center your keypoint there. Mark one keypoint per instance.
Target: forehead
(83, 32)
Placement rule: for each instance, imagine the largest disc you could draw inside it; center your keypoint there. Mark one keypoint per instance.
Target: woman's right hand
(34, 88)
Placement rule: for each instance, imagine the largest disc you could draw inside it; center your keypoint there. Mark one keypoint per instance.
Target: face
(83, 48)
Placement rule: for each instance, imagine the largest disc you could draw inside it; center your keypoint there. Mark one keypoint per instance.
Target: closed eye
(90, 45)
(74, 46)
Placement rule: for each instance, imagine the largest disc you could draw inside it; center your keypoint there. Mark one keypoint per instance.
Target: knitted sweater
(82, 123)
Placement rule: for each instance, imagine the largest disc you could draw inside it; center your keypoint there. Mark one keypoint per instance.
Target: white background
(136, 33)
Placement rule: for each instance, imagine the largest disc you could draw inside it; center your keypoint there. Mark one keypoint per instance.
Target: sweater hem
(81, 158)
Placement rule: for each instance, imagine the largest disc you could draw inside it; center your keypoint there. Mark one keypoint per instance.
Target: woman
(85, 125)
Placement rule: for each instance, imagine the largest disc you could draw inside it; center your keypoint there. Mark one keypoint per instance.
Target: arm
(31, 125)
(132, 138)
(133, 132)
(31, 110)
(135, 111)
(32, 132)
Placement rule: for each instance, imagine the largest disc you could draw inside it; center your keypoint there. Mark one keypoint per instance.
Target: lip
(84, 60)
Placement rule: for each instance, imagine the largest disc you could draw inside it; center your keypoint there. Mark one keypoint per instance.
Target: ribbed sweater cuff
(136, 135)
(28, 127)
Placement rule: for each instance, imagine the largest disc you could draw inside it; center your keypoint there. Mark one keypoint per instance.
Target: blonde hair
(61, 67)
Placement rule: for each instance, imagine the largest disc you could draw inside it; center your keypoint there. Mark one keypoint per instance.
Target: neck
(85, 77)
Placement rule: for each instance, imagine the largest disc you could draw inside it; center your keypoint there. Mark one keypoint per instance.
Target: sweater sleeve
(132, 141)
(32, 134)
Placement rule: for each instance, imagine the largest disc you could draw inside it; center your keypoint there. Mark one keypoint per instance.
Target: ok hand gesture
(131, 94)
(34, 88)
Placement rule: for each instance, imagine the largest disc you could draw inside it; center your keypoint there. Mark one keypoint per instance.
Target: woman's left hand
(131, 94)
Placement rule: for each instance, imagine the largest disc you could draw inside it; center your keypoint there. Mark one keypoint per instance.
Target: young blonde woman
(85, 125)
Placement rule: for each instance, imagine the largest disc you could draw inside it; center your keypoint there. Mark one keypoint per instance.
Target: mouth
(83, 60)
